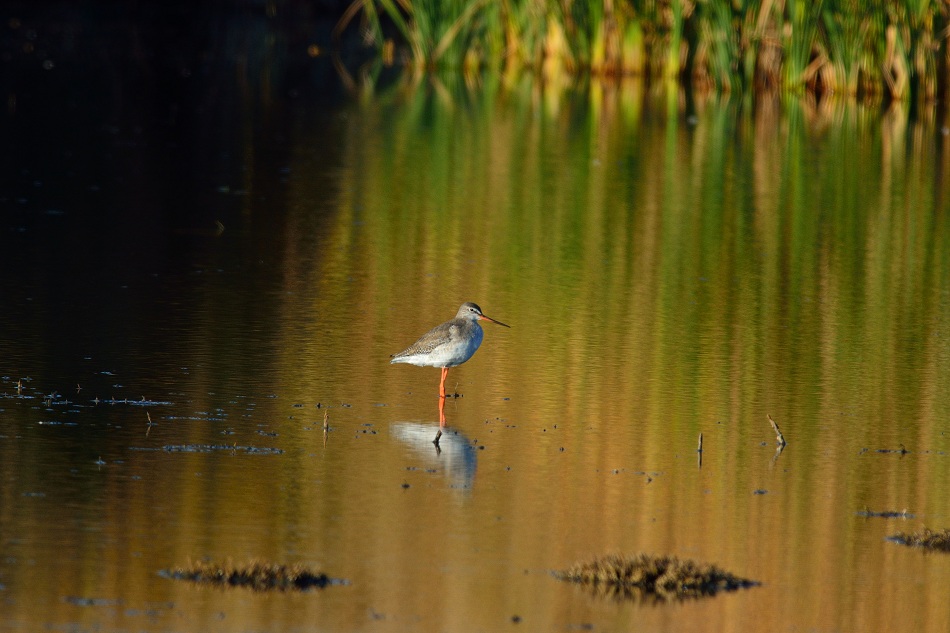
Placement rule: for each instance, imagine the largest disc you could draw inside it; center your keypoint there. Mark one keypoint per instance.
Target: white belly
(453, 352)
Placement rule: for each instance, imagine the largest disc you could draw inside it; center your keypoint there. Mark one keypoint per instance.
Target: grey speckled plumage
(449, 344)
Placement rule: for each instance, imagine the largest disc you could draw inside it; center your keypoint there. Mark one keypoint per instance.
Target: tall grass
(866, 49)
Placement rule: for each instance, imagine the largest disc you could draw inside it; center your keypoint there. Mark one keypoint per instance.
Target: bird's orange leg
(441, 417)
(445, 372)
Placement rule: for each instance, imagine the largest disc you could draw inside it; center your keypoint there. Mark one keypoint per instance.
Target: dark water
(210, 243)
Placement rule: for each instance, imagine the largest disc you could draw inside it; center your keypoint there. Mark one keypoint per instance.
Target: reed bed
(867, 49)
(258, 575)
(662, 577)
(935, 540)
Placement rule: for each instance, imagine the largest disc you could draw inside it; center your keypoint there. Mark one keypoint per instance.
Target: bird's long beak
(482, 317)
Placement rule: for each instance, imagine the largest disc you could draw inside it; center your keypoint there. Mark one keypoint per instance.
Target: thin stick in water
(778, 434)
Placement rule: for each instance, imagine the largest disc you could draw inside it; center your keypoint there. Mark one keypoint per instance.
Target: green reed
(865, 49)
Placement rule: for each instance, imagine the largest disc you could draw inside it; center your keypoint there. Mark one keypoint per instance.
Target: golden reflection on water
(666, 276)
(666, 272)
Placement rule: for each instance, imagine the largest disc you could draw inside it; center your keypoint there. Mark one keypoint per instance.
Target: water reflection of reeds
(718, 262)
(554, 192)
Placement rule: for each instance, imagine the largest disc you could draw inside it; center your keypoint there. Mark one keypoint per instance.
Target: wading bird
(448, 345)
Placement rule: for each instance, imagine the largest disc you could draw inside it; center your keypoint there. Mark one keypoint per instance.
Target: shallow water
(195, 276)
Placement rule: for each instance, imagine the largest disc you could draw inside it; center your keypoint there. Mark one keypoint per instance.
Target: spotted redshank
(448, 345)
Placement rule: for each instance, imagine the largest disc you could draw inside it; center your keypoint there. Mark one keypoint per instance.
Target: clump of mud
(928, 539)
(644, 576)
(258, 575)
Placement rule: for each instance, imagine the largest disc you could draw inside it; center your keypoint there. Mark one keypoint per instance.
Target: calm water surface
(233, 252)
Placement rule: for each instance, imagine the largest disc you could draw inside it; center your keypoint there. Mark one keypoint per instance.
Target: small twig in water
(778, 434)
(887, 514)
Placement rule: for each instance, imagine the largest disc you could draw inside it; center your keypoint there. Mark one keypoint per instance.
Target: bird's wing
(437, 336)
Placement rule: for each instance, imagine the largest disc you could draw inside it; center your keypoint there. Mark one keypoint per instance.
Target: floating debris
(899, 451)
(928, 539)
(144, 403)
(258, 575)
(886, 514)
(210, 448)
(779, 438)
(81, 601)
(663, 577)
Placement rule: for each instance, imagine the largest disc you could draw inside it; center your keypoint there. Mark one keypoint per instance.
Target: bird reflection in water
(454, 451)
